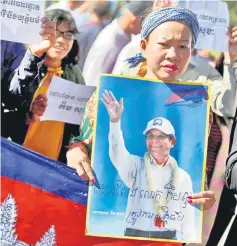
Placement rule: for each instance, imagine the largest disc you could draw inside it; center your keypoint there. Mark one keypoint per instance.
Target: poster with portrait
(149, 156)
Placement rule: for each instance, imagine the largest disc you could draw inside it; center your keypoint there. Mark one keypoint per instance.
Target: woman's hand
(114, 108)
(205, 198)
(39, 105)
(77, 159)
(232, 55)
(48, 33)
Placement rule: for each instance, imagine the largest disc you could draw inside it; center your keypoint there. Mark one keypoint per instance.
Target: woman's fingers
(88, 170)
(205, 198)
(77, 159)
(233, 35)
(48, 32)
(84, 170)
(41, 96)
(39, 111)
(199, 201)
(40, 104)
(204, 194)
(48, 24)
(41, 99)
(81, 172)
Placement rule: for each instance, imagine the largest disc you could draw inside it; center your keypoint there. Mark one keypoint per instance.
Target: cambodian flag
(44, 203)
(190, 96)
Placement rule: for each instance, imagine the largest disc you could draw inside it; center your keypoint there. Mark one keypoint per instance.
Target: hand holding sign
(114, 108)
(233, 44)
(39, 105)
(49, 37)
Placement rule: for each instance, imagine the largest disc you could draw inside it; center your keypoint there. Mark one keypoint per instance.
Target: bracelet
(80, 145)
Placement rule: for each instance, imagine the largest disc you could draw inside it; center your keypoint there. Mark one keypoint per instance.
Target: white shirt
(104, 51)
(130, 50)
(140, 212)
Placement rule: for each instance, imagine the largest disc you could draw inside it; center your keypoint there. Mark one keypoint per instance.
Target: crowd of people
(80, 40)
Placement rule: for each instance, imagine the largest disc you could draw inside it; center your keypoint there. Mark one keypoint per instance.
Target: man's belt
(167, 234)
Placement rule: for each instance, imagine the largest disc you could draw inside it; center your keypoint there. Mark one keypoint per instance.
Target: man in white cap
(157, 202)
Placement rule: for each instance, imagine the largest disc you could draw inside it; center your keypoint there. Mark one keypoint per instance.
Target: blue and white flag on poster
(149, 156)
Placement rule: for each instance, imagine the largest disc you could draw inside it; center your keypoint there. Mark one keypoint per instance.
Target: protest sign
(213, 17)
(44, 202)
(20, 20)
(149, 155)
(66, 101)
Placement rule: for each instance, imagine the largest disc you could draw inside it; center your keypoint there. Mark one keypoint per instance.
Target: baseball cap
(161, 124)
(138, 7)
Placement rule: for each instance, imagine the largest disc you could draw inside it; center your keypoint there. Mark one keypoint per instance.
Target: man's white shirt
(140, 212)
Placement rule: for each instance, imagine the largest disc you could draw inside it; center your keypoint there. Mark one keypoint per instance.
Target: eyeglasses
(67, 35)
(159, 136)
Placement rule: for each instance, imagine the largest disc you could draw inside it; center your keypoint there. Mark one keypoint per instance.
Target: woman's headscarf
(160, 16)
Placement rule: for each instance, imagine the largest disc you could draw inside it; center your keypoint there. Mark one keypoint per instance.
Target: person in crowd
(11, 56)
(199, 56)
(82, 14)
(67, 5)
(129, 50)
(56, 55)
(92, 27)
(226, 212)
(104, 51)
(167, 38)
(225, 226)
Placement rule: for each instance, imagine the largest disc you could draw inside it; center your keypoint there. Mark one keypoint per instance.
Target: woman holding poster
(168, 36)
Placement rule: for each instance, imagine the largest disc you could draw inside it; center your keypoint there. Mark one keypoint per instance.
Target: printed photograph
(149, 155)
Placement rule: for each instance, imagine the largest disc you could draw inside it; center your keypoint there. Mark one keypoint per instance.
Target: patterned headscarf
(160, 16)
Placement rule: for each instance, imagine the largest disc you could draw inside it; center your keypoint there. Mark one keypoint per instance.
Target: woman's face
(62, 46)
(168, 50)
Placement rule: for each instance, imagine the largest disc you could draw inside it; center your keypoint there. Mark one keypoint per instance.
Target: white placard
(20, 20)
(213, 17)
(66, 101)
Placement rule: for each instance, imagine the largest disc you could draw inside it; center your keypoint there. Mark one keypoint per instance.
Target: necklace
(159, 203)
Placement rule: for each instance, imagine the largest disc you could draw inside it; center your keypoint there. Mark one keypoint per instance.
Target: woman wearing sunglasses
(56, 55)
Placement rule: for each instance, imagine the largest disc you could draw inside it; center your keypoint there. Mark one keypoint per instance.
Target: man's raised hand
(114, 108)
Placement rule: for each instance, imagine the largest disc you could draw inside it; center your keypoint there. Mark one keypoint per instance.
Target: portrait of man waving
(158, 204)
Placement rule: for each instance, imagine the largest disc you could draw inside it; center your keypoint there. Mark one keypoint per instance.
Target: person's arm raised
(48, 34)
(123, 161)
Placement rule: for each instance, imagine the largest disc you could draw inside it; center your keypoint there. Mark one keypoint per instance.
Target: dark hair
(101, 9)
(220, 64)
(60, 16)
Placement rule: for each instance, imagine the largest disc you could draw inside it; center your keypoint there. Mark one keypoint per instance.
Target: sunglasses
(67, 35)
(159, 136)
